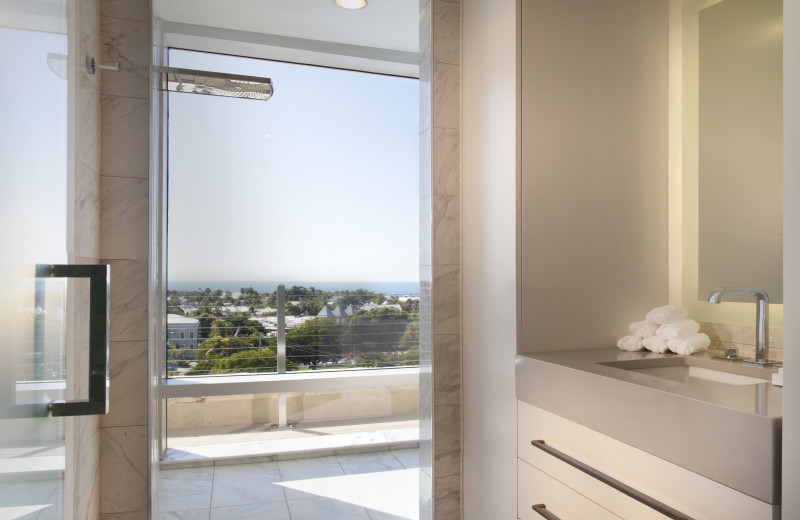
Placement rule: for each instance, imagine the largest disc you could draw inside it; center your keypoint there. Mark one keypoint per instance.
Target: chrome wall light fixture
(216, 84)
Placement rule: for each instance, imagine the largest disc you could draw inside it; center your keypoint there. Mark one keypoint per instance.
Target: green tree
(381, 327)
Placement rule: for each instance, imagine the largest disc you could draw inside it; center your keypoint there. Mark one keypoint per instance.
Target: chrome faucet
(762, 319)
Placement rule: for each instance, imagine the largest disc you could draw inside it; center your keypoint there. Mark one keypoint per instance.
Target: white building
(182, 331)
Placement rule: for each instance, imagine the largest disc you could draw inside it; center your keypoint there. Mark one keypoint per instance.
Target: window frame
(290, 50)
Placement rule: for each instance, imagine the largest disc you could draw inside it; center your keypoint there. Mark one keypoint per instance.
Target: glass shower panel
(33, 214)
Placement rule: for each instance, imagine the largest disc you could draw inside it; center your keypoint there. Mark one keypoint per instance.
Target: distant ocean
(397, 288)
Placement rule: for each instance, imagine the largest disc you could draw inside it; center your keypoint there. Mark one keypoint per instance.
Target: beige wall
(791, 257)
(302, 407)
(125, 27)
(594, 105)
(489, 159)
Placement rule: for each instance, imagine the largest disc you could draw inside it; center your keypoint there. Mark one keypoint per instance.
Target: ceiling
(385, 24)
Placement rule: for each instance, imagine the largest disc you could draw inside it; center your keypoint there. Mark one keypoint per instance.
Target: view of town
(232, 332)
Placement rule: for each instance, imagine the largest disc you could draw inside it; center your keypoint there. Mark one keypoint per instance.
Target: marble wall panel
(128, 368)
(88, 121)
(447, 442)
(86, 220)
(446, 224)
(124, 228)
(425, 232)
(446, 299)
(129, 302)
(445, 95)
(89, 30)
(126, 137)
(447, 493)
(446, 32)
(123, 469)
(446, 161)
(126, 9)
(425, 159)
(126, 42)
(86, 469)
(447, 373)
(425, 97)
(425, 36)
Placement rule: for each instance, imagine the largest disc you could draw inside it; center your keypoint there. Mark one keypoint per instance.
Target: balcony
(290, 386)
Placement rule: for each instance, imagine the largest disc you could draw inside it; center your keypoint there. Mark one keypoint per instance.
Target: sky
(320, 183)
(33, 149)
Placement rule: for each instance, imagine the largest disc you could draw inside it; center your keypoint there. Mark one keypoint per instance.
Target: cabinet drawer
(691, 494)
(536, 487)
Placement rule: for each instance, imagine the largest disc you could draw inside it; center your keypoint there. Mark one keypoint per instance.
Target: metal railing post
(282, 423)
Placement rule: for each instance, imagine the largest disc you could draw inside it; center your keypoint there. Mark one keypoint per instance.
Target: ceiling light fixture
(351, 4)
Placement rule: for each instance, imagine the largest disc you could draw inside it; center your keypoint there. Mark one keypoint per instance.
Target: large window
(293, 222)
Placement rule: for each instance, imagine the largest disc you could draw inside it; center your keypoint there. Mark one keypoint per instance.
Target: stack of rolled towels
(665, 328)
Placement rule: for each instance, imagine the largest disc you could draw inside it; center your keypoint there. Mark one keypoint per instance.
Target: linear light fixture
(216, 84)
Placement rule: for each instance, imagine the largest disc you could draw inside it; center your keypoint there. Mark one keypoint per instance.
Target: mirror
(732, 145)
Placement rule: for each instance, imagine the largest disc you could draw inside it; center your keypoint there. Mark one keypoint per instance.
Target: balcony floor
(382, 485)
(305, 439)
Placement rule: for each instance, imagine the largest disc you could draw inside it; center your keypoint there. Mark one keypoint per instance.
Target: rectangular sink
(690, 373)
(700, 371)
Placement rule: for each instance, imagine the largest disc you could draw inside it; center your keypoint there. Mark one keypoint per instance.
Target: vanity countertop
(728, 433)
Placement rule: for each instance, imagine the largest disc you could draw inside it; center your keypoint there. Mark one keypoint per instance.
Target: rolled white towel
(690, 345)
(643, 329)
(630, 343)
(666, 314)
(655, 344)
(678, 330)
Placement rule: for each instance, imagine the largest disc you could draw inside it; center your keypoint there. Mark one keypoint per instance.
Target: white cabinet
(544, 478)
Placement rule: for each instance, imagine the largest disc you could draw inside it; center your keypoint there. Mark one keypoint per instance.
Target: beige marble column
(124, 245)
(440, 259)
(82, 434)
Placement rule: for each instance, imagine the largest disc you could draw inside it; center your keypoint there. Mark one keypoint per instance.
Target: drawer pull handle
(542, 510)
(611, 482)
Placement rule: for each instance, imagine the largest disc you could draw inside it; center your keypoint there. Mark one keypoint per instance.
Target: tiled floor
(374, 486)
(31, 500)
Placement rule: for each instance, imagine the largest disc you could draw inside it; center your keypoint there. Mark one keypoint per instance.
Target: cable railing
(386, 338)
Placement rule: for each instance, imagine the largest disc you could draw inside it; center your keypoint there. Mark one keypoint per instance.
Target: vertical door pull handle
(99, 284)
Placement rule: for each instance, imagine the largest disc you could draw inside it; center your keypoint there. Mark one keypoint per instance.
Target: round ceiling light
(351, 4)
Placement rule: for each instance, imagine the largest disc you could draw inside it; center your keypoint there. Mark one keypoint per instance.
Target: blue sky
(33, 149)
(319, 183)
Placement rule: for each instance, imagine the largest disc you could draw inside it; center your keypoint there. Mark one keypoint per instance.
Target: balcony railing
(307, 343)
(296, 354)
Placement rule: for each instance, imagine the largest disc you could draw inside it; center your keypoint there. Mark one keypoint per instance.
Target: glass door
(53, 315)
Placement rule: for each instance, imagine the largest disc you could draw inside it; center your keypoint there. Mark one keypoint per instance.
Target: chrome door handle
(542, 510)
(99, 284)
(612, 482)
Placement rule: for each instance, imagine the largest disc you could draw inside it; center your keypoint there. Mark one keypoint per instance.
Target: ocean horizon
(391, 288)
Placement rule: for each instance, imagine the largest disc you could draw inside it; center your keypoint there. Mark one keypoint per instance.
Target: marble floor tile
(408, 458)
(345, 507)
(262, 511)
(311, 478)
(32, 493)
(391, 503)
(186, 514)
(242, 484)
(369, 462)
(183, 489)
(385, 479)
